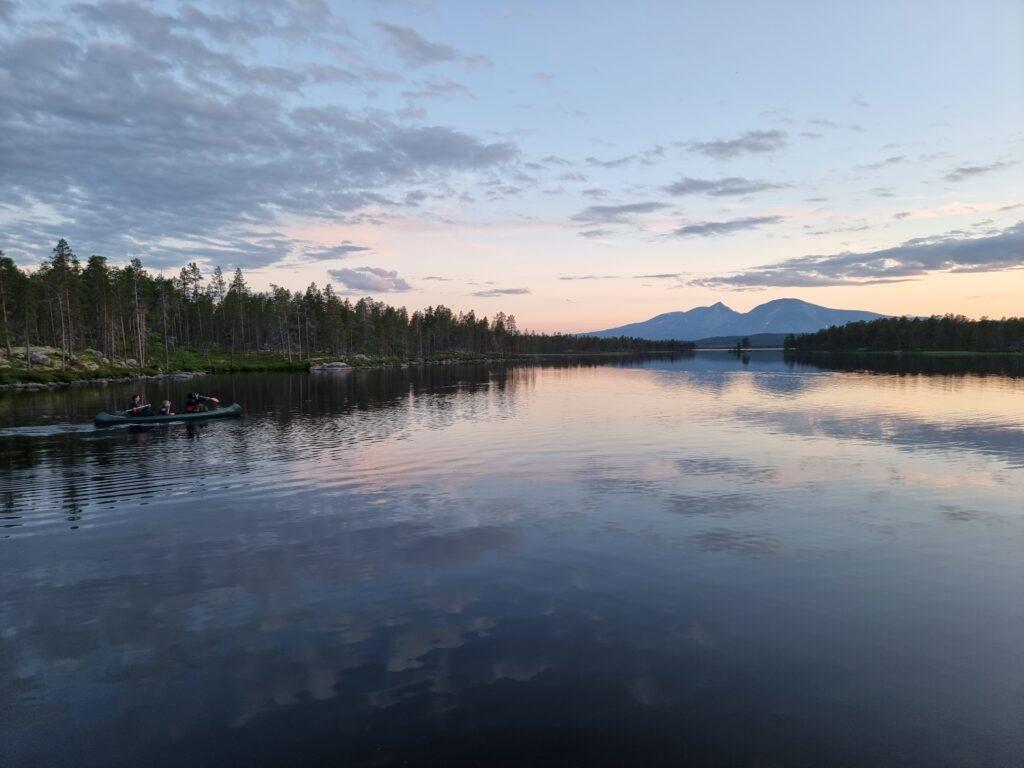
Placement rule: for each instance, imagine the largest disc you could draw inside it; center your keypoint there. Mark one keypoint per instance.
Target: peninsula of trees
(132, 317)
(945, 333)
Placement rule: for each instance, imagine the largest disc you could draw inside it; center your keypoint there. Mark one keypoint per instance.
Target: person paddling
(139, 408)
(196, 403)
(165, 409)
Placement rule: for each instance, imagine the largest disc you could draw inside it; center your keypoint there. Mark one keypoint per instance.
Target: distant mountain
(779, 316)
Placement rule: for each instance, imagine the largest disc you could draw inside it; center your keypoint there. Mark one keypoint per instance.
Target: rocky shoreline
(351, 363)
(32, 386)
(359, 362)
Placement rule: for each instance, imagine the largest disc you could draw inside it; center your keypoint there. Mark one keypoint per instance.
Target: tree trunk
(138, 320)
(167, 362)
(3, 310)
(28, 326)
(124, 340)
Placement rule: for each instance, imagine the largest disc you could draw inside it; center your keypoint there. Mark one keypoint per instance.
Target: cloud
(416, 51)
(833, 125)
(369, 280)
(438, 279)
(493, 292)
(963, 172)
(886, 163)
(750, 142)
(952, 252)
(436, 89)
(855, 226)
(345, 249)
(860, 101)
(616, 214)
(616, 163)
(660, 276)
(1011, 207)
(733, 185)
(590, 277)
(715, 228)
(169, 140)
(901, 215)
(594, 234)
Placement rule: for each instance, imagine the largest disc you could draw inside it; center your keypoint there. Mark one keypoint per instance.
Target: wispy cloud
(853, 226)
(727, 187)
(555, 160)
(886, 163)
(963, 172)
(416, 51)
(952, 252)
(616, 214)
(345, 249)
(751, 142)
(494, 292)
(716, 228)
(436, 89)
(370, 280)
(614, 163)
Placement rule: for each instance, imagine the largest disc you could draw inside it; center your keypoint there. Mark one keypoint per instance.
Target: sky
(578, 164)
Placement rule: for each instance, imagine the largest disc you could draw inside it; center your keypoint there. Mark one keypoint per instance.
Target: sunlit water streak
(727, 561)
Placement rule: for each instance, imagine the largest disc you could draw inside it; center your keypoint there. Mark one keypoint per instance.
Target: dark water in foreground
(674, 562)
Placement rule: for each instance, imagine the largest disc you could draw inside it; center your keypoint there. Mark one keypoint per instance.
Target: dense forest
(945, 333)
(128, 314)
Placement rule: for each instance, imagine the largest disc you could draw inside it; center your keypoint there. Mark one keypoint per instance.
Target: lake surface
(699, 561)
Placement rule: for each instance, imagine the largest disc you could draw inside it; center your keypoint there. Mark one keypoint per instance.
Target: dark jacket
(193, 404)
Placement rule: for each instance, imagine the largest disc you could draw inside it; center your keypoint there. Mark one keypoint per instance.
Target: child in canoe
(196, 403)
(139, 408)
(165, 409)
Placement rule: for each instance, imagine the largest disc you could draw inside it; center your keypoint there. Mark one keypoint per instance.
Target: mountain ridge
(776, 316)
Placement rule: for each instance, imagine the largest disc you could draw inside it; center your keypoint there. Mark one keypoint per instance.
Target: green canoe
(111, 419)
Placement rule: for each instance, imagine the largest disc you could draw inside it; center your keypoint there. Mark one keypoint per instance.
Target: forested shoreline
(130, 317)
(938, 333)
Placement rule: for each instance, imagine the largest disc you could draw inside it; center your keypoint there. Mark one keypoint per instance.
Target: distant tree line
(939, 333)
(128, 313)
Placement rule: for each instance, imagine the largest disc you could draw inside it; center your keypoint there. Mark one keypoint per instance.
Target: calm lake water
(697, 561)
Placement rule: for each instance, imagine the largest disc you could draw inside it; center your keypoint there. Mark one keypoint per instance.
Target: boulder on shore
(337, 365)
